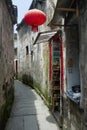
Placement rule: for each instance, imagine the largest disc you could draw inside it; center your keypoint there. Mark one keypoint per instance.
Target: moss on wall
(44, 94)
(25, 79)
(47, 96)
(72, 115)
(6, 109)
(28, 80)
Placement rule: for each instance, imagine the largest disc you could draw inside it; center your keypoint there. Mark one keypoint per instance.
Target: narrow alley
(43, 65)
(29, 111)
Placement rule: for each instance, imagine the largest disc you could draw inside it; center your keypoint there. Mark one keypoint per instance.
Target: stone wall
(83, 57)
(6, 63)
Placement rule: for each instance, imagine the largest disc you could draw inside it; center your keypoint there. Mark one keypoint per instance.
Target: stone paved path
(29, 111)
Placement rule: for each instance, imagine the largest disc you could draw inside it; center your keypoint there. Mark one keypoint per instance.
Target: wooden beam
(63, 25)
(77, 9)
(67, 9)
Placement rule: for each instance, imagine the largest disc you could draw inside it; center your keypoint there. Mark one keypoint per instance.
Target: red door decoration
(34, 18)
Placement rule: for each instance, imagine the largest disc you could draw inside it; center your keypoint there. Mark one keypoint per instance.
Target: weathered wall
(15, 56)
(24, 39)
(35, 66)
(75, 116)
(50, 7)
(83, 57)
(6, 62)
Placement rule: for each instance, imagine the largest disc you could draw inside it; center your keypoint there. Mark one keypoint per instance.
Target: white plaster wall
(51, 5)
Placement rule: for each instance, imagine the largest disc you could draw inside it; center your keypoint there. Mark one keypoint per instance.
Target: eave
(12, 10)
(43, 37)
(63, 8)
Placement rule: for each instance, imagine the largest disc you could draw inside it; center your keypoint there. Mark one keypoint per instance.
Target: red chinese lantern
(34, 18)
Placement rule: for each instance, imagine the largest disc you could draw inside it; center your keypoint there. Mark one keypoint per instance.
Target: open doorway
(55, 74)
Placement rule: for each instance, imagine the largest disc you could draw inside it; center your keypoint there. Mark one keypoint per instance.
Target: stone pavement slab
(29, 111)
(15, 123)
(30, 123)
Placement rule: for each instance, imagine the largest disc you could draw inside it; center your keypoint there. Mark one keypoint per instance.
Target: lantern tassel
(34, 28)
